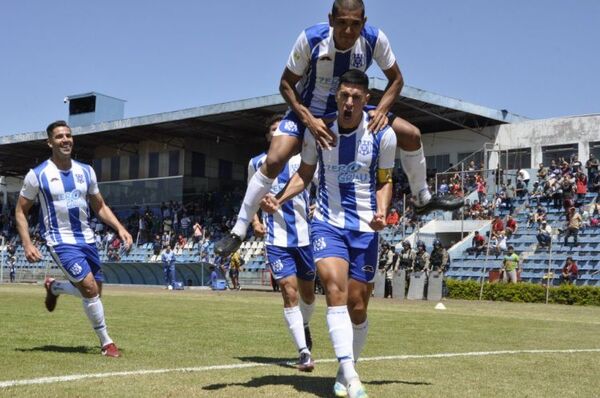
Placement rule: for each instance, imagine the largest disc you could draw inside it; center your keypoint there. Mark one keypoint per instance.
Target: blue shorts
(76, 261)
(359, 249)
(292, 126)
(288, 261)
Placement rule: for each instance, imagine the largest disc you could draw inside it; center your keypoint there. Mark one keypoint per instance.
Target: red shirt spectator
(497, 226)
(581, 184)
(392, 218)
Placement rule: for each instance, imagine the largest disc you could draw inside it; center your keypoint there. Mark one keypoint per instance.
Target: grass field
(234, 345)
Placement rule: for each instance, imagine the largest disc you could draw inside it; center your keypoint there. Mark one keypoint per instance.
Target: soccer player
(66, 190)
(354, 193)
(321, 54)
(289, 254)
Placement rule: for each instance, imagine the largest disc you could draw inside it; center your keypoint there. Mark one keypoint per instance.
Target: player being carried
(289, 254)
(64, 187)
(354, 192)
(321, 54)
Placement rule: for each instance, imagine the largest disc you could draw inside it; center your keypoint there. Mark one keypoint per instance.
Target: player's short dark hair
(272, 119)
(355, 76)
(53, 125)
(347, 5)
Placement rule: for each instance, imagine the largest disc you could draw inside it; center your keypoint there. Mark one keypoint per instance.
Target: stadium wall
(580, 130)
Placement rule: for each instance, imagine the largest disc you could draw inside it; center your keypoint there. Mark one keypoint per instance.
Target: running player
(321, 54)
(66, 190)
(355, 190)
(289, 254)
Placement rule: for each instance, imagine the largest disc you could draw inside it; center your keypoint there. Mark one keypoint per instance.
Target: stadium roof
(240, 122)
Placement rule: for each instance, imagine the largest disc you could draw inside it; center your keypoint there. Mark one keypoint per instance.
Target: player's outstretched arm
(108, 217)
(287, 87)
(22, 209)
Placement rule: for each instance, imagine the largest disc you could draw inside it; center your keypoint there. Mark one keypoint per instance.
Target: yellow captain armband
(384, 176)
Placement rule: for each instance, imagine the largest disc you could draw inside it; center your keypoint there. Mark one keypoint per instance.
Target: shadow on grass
(56, 348)
(317, 385)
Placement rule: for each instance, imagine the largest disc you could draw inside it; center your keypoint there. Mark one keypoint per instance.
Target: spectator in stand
(497, 226)
(523, 175)
(509, 196)
(476, 211)
(592, 168)
(392, 218)
(542, 173)
(511, 226)
(544, 235)
(180, 244)
(481, 189)
(166, 238)
(569, 272)
(576, 165)
(186, 222)
(556, 193)
(595, 183)
(581, 184)
(443, 189)
(477, 244)
(501, 245)
(197, 232)
(540, 214)
(157, 245)
(510, 266)
(574, 222)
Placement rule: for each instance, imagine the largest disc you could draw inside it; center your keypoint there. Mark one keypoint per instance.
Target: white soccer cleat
(339, 389)
(356, 389)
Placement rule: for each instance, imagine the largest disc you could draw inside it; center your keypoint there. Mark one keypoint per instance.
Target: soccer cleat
(440, 203)
(50, 297)
(356, 389)
(308, 338)
(306, 363)
(227, 245)
(339, 389)
(111, 350)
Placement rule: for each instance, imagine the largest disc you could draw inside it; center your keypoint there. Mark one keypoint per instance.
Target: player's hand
(269, 204)
(32, 254)
(378, 121)
(323, 135)
(378, 222)
(259, 229)
(126, 239)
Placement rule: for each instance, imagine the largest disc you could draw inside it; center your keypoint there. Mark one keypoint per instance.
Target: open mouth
(347, 114)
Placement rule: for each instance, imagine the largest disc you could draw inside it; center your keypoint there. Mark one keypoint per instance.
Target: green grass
(158, 329)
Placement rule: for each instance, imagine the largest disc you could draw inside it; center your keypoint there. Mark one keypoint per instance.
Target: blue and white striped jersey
(346, 196)
(63, 201)
(315, 58)
(288, 227)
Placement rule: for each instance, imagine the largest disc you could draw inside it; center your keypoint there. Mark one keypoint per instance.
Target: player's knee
(358, 313)
(408, 135)
(273, 165)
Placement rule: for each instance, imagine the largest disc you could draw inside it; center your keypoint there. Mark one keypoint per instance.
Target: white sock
(64, 287)
(359, 338)
(306, 310)
(95, 312)
(293, 318)
(340, 332)
(413, 164)
(258, 187)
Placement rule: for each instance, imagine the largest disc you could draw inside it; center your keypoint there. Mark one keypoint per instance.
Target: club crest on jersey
(319, 244)
(357, 60)
(79, 178)
(76, 269)
(277, 266)
(365, 147)
(289, 127)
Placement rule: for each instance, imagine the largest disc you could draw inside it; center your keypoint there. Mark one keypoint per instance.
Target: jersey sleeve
(383, 54)
(251, 170)
(93, 188)
(387, 149)
(309, 149)
(31, 186)
(299, 59)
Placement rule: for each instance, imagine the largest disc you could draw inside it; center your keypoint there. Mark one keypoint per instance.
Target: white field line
(75, 377)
